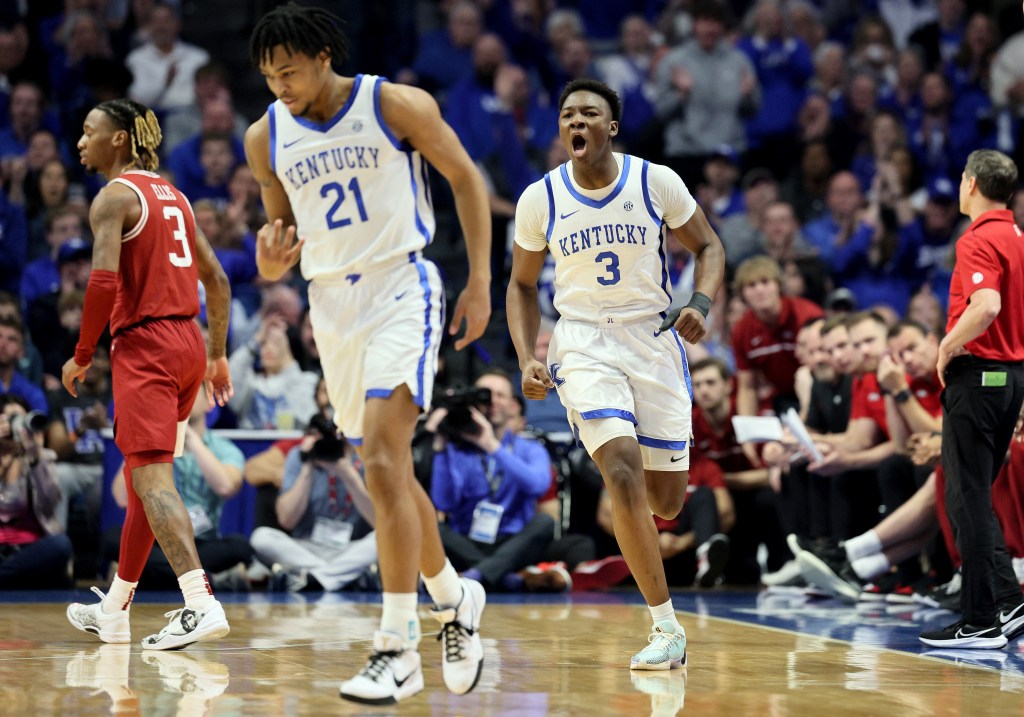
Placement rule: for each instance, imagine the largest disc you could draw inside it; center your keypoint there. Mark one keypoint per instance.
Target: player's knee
(623, 480)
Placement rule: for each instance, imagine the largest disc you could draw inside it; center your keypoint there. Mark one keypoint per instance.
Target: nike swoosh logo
(961, 633)
(399, 296)
(399, 683)
(566, 216)
(286, 145)
(676, 459)
(1006, 616)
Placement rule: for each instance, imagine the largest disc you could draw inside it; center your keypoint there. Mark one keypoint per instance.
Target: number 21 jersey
(157, 275)
(608, 244)
(358, 194)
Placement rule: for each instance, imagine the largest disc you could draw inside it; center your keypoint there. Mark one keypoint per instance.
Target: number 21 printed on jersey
(333, 220)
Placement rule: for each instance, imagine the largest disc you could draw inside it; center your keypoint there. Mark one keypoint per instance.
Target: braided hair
(142, 127)
(305, 30)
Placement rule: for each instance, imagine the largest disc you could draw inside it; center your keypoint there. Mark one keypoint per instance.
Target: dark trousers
(571, 549)
(508, 554)
(40, 565)
(216, 555)
(898, 480)
(976, 432)
(758, 521)
(700, 515)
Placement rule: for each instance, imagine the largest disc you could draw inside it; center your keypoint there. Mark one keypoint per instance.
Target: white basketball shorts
(375, 332)
(625, 380)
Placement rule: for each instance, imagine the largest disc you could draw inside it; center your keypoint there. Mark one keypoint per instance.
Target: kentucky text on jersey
(336, 159)
(603, 235)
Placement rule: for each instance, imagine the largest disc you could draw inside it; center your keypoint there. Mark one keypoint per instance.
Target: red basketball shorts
(158, 368)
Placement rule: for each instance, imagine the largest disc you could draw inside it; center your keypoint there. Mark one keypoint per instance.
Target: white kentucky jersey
(608, 244)
(359, 195)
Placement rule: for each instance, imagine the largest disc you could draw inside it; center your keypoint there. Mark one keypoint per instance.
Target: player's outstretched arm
(523, 313)
(708, 273)
(276, 248)
(115, 207)
(218, 314)
(412, 115)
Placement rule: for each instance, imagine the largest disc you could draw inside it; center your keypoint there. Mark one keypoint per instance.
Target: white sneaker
(104, 669)
(463, 659)
(391, 674)
(185, 674)
(187, 626)
(666, 649)
(667, 690)
(109, 627)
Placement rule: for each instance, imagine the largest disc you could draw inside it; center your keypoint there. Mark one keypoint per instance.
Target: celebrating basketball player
(615, 358)
(146, 262)
(344, 159)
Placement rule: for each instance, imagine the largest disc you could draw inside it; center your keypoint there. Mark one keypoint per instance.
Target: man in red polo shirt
(981, 365)
(764, 339)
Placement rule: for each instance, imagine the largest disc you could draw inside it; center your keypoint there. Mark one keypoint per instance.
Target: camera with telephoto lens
(458, 401)
(330, 447)
(33, 422)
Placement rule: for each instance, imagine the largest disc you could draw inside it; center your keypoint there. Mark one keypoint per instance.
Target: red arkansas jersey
(158, 277)
(721, 447)
(867, 401)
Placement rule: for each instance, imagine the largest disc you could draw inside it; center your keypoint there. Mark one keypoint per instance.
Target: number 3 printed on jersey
(184, 259)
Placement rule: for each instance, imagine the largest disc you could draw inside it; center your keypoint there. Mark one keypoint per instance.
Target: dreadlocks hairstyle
(305, 30)
(143, 130)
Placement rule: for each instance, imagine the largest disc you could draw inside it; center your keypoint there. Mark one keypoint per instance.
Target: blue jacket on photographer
(486, 481)
(485, 459)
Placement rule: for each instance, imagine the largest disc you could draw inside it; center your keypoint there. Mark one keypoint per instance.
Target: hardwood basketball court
(749, 654)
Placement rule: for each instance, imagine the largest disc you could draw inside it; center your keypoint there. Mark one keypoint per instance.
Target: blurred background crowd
(824, 139)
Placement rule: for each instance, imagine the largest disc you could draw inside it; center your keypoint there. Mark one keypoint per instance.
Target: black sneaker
(945, 596)
(834, 576)
(962, 635)
(711, 559)
(1011, 618)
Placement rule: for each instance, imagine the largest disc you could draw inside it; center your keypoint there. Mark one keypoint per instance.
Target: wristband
(700, 302)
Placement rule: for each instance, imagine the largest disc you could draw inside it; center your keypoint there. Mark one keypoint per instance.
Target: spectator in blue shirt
(64, 239)
(13, 241)
(12, 348)
(26, 116)
(485, 483)
(445, 56)
(783, 65)
(843, 200)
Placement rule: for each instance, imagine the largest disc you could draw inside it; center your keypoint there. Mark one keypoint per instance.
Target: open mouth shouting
(579, 145)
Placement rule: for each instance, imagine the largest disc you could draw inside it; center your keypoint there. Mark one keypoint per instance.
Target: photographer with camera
(34, 552)
(485, 483)
(325, 509)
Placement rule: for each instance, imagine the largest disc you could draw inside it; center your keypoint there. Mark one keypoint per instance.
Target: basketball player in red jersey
(147, 260)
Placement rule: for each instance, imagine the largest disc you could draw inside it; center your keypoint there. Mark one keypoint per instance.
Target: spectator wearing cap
(42, 276)
(783, 65)
(741, 233)
(706, 88)
(74, 264)
(840, 301)
(933, 234)
(843, 200)
(719, 194)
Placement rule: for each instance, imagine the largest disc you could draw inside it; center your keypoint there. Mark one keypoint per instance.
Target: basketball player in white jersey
(341, 162)
(616, 358)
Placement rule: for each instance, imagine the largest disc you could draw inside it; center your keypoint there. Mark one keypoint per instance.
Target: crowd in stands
(824, 141)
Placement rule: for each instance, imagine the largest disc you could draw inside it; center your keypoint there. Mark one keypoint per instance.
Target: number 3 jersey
(358, 194)
(157, 274)
(608, 244)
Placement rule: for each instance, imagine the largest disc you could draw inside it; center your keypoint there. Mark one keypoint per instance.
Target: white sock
(862, 546)
(196, 590)
(399, 617)
(660, 613)
(445, 587)
(871, 566)
(120, 595)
